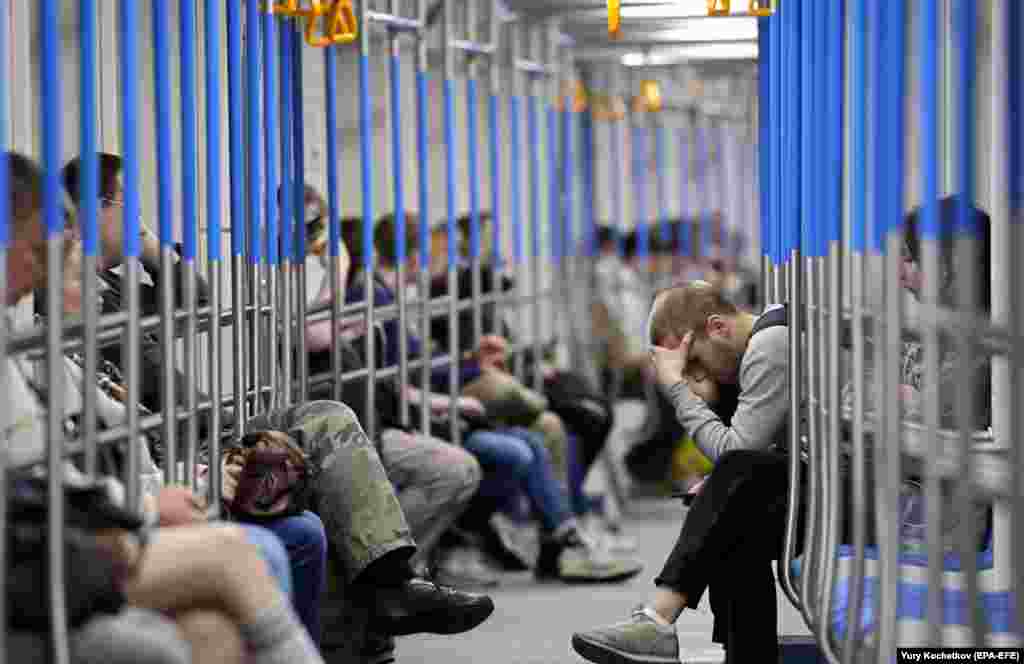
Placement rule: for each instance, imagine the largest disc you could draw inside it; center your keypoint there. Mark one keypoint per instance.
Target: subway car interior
(624, 331)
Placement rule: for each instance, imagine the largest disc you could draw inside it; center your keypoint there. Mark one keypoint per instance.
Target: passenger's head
(26, 256)
(464, 225)
(912, 276)
(606, 239)
(630, 248)
(111, 204)
(438, 251)
(719, 336)
(385, 235)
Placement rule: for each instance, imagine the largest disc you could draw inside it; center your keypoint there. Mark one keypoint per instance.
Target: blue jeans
(304, 538)
(516, 460)
(274, 554)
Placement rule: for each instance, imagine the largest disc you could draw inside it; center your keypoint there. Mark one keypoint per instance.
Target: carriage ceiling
(654, 33)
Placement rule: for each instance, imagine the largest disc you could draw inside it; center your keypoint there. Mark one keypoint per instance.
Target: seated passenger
(207, 577)
(586, 414)
(518, 455)
(111, 230)
(302, 534)
(613, 284)
(483, 367)
(734, 527)
(434, 480)
(951, 373)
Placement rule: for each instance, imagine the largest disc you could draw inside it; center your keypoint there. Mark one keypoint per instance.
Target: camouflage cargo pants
(353, 494)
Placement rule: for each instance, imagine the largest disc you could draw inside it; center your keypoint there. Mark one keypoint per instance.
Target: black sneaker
(419, 606)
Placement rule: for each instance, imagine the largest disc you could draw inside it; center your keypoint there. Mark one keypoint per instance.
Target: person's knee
(310, 537)
(133, 635)
(551, 425)
(212, 635)
(735, 461)
(245, 555)
(463, 471)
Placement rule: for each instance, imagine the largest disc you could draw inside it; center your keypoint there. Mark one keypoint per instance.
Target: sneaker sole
(451, 622)
(590, 580)
(602, 654)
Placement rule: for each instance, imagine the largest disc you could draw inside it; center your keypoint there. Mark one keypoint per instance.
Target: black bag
(93, 578)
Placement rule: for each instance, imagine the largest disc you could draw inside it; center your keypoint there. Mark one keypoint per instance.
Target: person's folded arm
(761, 411)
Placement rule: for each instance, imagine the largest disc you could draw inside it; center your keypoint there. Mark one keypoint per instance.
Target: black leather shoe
(419, 606)
(377, 649)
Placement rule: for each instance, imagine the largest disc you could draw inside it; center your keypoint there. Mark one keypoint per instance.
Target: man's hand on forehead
(670, 364)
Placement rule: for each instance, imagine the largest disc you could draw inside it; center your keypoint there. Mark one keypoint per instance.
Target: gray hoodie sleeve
(763, 402)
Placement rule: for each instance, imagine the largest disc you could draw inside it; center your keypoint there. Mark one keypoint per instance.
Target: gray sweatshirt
(761, 418)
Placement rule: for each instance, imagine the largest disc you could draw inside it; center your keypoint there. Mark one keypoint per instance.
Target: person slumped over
(734, 528)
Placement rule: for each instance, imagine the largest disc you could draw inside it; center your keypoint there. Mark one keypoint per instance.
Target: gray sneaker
(640, 640)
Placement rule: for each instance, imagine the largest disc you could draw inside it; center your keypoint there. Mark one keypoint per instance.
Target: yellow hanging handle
(614, 18)
(718, 7)
(760, 8)
(650, 96)
(288, 8)
(337, 20)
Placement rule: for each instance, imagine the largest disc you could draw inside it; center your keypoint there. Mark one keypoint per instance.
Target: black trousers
(733, 532)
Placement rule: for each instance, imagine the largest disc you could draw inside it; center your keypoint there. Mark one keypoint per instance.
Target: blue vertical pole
(764, 129)
(53, 219)
(703, 190)
(807, 135)
(449, 166)
(189, 203)
(255, 142)
(834, 76)
(88, 205)
(777, 63)
(966, 19)
(587, 158)
(5, 117)
(254, 181)
(661, 186)
(473, 166)
(423, 175)
(5, 218)
(1013, 13)
(299, 192)
(685, 228)
(423, 167)
(286, 192)
(331, 91)
(533, 140)
(569, 247)
(615, 181)
(236, 178)
(213, 30)
(515, 195)
(495, 164)
(162, 94)
(270, 133)
(554, 217)
(395, 66)
(236, 167)
(165, 215)
(639, 162)
(858, 127)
